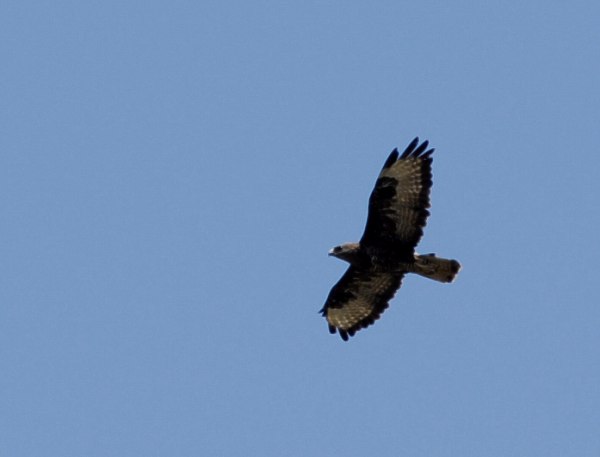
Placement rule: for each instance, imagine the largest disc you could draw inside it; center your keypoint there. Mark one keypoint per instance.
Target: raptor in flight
(386, 252)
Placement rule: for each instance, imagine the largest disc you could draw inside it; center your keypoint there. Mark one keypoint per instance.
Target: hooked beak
(330, 252)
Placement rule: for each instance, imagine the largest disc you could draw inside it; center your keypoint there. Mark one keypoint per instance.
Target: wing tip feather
(410, 148)
(391, 159)
(427, 154)
(415, 150)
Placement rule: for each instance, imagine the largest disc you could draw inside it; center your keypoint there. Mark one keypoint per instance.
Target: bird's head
(346, 251)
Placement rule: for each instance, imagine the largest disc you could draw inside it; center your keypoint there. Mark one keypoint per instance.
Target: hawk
(386, 252)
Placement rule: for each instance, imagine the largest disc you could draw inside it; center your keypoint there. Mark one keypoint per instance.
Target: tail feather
(436, 268)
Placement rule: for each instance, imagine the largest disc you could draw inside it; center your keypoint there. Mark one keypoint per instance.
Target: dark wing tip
(416, 150)
(427, 154)
(391, 159)
(410, 148)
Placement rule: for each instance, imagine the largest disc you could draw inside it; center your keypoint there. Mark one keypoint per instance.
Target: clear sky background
(172, 175)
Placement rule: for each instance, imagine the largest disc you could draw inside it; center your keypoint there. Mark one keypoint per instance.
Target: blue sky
(172, 175)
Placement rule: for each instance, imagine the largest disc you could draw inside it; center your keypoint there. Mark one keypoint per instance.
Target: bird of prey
(386, 252)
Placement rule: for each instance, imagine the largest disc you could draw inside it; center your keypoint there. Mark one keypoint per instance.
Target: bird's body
(386, 252)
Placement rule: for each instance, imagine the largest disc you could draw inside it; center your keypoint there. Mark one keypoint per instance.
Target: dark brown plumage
(398, 211)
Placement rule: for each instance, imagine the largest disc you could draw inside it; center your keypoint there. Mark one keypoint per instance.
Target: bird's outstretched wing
(398, 204)
(358, 300)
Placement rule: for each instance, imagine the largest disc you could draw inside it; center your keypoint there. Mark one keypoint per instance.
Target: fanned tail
(436, 268)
